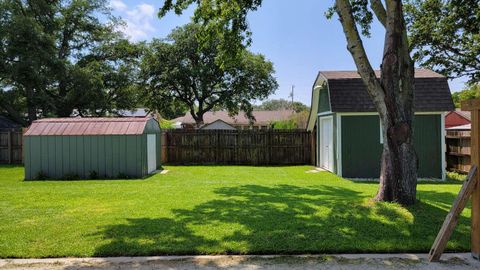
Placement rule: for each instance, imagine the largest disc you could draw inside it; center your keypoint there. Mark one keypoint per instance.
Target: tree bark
(392, 95)
(398, 178)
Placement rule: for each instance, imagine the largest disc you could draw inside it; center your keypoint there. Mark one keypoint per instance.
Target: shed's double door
(326, 143)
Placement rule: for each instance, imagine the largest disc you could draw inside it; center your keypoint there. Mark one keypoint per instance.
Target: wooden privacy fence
(237, 147)
(11, 146)
(458, 150)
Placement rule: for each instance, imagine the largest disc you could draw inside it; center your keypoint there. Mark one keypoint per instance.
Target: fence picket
(237, 147)
(11, 146)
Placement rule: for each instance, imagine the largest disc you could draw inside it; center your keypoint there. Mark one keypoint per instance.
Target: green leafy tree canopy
(445, 36)
(282, 104)
(466, 94)
(181, 71)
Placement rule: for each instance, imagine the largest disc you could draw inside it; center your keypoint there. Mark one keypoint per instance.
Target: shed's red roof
(87, 126)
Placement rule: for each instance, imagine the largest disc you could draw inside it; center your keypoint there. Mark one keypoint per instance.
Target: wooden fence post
(474, 106)
(9, 147)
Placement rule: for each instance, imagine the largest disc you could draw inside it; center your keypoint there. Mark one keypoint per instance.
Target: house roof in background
(6, 123)
(349, 94)
(261, 117)
(465, 114)
(220, 121)
(462, 127)
(88, 126)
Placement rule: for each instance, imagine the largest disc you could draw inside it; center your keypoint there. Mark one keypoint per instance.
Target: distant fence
(238, 147)
(458, 151)
(11, 146)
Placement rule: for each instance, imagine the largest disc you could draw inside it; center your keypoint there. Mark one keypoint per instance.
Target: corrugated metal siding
(361, 148)
(109, 156)
(152, 126)
(92, 126)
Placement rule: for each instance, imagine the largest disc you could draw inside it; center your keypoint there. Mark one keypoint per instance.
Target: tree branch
(379, 11)
(355, 47)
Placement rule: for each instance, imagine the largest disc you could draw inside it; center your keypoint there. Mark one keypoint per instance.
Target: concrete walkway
(350, 261)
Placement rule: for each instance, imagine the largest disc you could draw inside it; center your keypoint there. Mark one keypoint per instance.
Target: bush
(166, 124)
(456, 176)
(123, 176)
(41, 175)
(93, 175)
(71, 176)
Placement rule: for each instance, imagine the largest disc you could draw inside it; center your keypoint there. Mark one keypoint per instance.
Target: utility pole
(291, 94)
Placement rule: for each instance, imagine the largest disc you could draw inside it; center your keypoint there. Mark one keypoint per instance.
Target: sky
(295, 35)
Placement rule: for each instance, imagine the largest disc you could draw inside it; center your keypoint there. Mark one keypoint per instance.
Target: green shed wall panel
(26, 157)
(361, 147)
(427, 134)
(143, 153)
(116, 155)
(109, 156)
(58, 157)
(324, 100)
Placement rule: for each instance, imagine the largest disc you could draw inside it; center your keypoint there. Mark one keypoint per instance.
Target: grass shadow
(286, 219)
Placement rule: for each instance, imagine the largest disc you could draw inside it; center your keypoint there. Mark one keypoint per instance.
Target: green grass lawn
(217, 210)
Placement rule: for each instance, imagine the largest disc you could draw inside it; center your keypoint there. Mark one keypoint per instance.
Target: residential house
(6, 123)
(457, 118)
(221, 120)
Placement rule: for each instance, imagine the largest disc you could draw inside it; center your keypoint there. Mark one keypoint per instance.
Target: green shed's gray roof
(349, 94)
(88, 126)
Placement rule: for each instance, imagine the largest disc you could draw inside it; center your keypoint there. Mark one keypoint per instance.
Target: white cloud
(118, 5)
(138, 20)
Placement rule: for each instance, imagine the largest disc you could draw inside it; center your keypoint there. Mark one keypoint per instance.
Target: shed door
(151, 152)
(326, 143)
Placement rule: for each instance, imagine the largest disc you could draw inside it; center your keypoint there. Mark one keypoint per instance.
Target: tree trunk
(199, 121)
(31, 108)
(392, 95)
(398, 177)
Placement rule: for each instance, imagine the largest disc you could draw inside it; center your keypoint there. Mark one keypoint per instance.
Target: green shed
(82, 147)
(348, 129)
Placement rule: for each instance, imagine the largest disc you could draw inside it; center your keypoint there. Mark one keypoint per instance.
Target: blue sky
(294, 35)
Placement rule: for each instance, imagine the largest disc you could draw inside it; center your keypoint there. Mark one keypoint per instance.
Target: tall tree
(282, 104)
(470, 93)
(179, 70)
(54, 55)
(392, 93)
(107, 79)
(445, 36)
(27, 49)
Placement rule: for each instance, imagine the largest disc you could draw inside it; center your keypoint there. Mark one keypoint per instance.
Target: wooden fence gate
(11, 146)
(237, 147)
